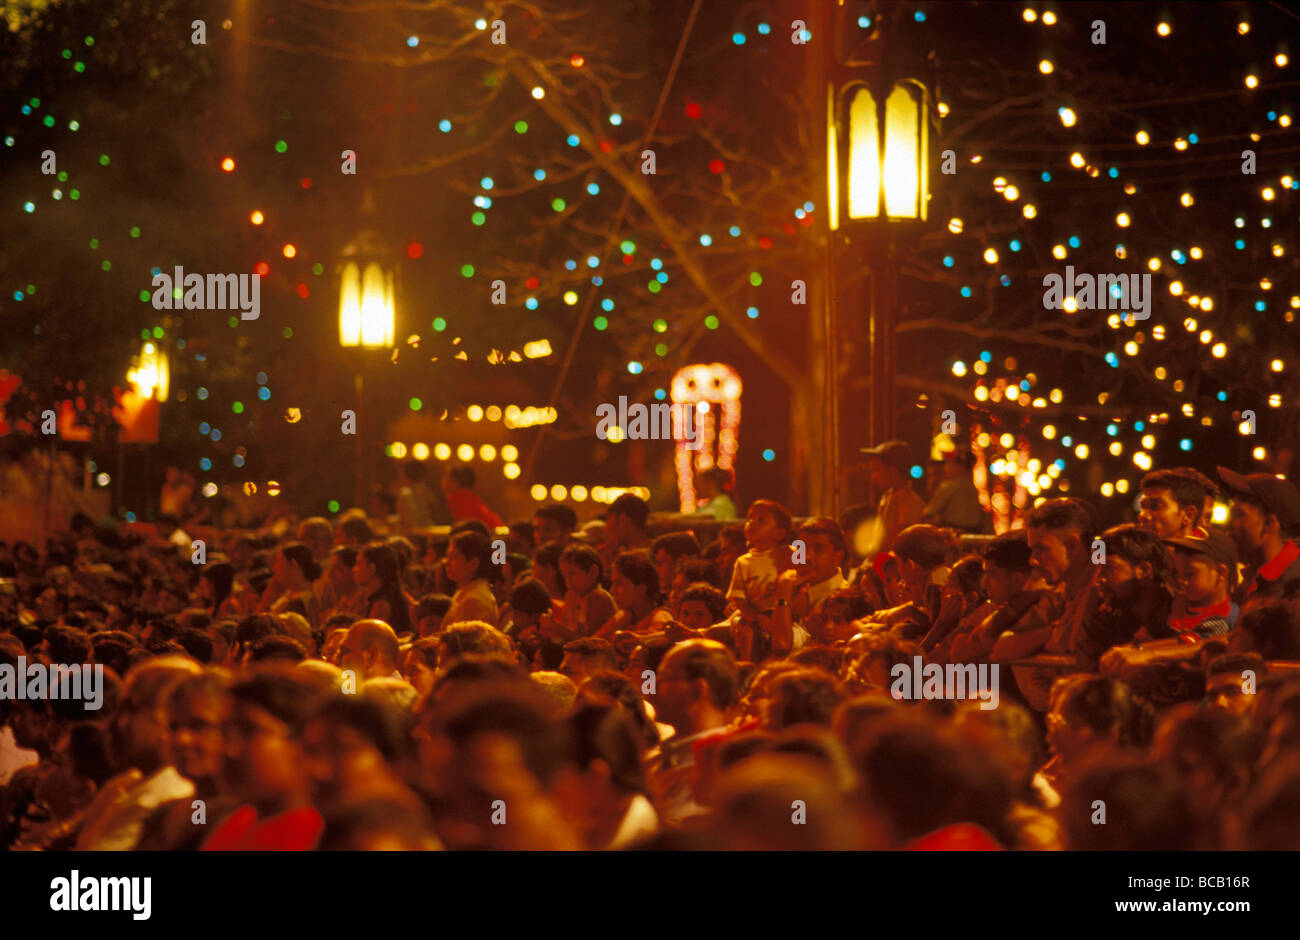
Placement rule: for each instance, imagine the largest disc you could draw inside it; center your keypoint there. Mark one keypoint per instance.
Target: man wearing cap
(1265, 512)
(1204, 574)
(900, 506)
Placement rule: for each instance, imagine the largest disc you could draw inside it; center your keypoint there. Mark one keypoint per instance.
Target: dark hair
(709, 596)
(560, 514)
(384, 560)
(470, 525)
(414, 471)
(289, 699)
(384, 727)
(464, 476)
(966, 574)
(699, 570)
(592, 646)
(625, 692)
(530, 597)
(356, 530)
(347, 553)
(602, 730)
(270, 648)
(1188, 487)
(255, 627)
(301, 555)
(1010, 552)
(776, 511)
(195, 642)
(632, 507)
(1136, 545)
(1064, 512)
(431, 605)
(716, 667)
(222, 576)
(637, 567)
(732, 532)
(1274, 631)
(926, 545)
(113, 648)
(804, 696)
(676, 544)
(478, 547)
(514, 710)
(1147, 808)
(1106, 706)
(1236, 663)
(582, 556)
(68, 646)
(823, 525)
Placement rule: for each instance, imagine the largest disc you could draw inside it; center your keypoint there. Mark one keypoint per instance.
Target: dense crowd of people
(384, 683)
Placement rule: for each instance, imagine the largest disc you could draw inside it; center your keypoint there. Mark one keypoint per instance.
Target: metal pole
(360, 436)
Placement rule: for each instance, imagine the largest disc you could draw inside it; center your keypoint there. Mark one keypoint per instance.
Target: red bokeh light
(576, 61)
(765, 242)
(262, 268)
(627, 259)
(532, 283)
(716, 166)
(414, 250)
(306, 182)
(693, 110)
(303, 291)
(606, 146)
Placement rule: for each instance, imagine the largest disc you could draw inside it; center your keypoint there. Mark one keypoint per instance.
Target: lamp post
(367, 313)
(878, 127)
(149, 378)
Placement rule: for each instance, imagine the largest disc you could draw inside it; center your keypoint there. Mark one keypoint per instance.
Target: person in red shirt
(464, 503)
(265, 768)
(1265, 514)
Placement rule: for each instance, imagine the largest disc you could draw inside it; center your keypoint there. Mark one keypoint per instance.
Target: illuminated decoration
(714, 390)
(367, 312)
(578, 493)
(150, 373)
(537, 349)
(885, 148)
(516, 417)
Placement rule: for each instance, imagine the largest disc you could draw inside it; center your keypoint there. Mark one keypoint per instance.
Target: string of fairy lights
(1028, 458)
(1017, 461)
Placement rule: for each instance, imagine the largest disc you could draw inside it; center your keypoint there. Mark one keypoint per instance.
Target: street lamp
(150, 372)
(367, 311)
(879, 122)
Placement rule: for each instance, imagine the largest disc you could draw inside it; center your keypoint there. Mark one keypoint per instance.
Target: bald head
(369, 649)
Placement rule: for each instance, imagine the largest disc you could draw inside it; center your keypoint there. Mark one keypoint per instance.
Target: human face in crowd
(1225, 691)
(241, 556)
(824, 559)
(363, 572)
(418, 673)
(665, 566)
(460, 569)
(895, 587)
(340, 575)
(48, 606)
(1051, 550)
(194, 723)
(1198, 579)
(762, 531)
(1251, 530)
(264, 765)
(1160, 514)
(619, 529)
(578, 580)
(627, 596)
(695, 614)
(546, 530)
(1000, 584)
(1121, 581)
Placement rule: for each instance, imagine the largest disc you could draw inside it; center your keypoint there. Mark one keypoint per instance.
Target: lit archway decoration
(714, 390)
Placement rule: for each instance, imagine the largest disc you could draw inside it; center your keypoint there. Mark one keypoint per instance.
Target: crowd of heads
(661, 683)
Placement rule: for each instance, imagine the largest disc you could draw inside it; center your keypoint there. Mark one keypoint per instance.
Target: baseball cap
(1217, 546)
(897, 454)
(1278, 497)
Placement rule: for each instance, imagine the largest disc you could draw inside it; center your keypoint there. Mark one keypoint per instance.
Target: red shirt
(297, 830)
(466, 504)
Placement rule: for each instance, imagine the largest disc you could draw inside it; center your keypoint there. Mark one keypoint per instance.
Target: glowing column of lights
(713, 390)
